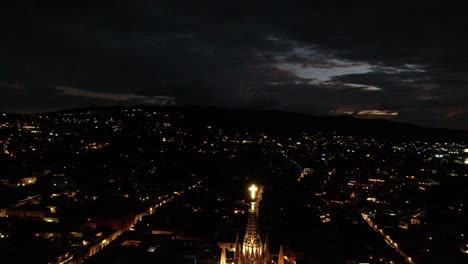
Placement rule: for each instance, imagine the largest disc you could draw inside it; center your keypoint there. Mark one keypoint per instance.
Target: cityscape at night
(234, 131)
(179, 185)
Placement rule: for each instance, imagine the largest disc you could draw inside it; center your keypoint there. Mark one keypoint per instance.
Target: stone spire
(266, 250)
(252, 246)
(280, 255)
(252, 242)
(237, 249)
(222, 260)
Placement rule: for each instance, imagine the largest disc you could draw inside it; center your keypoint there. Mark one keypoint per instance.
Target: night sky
(402, 60)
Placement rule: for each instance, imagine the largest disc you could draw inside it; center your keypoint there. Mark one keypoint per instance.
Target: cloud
(366, 113)
(363, 87)
(322, 74)
(318, 67)
(377, 112)
(294, 55)
(11, 85)
(42, 97)
(160, 100)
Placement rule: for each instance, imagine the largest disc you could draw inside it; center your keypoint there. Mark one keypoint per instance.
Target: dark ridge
(287, 122)
(284, 123)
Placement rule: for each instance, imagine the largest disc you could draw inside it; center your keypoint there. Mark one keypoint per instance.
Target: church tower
(252, 250)
(252, 246)
(280, 256)
(223, 255)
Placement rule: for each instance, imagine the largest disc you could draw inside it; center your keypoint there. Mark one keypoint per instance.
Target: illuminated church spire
(223, 255)
(280, 256)
(251, 250)
(252, 247)
(237, 248)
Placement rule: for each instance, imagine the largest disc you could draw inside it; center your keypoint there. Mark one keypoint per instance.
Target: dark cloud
(40, 97)
(295, 55)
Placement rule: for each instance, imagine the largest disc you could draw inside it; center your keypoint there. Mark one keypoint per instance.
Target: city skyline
(178, 185)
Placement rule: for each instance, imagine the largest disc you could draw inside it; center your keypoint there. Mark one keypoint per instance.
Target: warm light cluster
(253, 191)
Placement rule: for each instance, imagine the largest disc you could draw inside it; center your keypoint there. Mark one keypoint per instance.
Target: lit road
(387, 239)
(28, 200)
(301, 169)
(96, 248)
